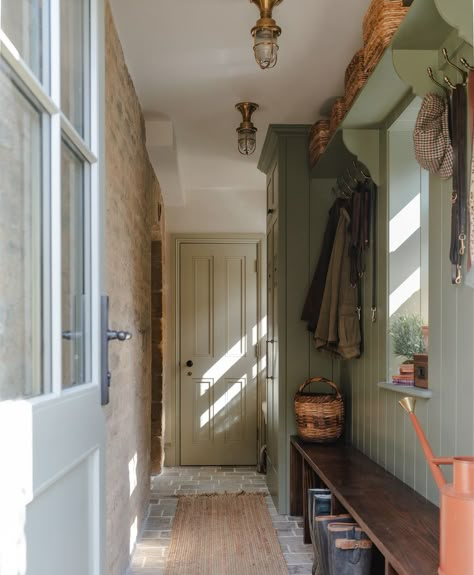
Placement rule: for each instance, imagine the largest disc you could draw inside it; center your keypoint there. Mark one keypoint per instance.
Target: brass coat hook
(460, 70)
(355, 180)
(466, 64)
(346, 194)
(433, 79)
(449, 83)
(358, 167)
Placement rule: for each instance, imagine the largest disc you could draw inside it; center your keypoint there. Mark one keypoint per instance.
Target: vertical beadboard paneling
(447, 379)
(379, 426)
(382, 291)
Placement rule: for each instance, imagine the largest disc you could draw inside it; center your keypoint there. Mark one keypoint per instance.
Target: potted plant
(407, 336)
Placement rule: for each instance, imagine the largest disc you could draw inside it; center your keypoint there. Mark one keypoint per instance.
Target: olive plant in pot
(407, 337)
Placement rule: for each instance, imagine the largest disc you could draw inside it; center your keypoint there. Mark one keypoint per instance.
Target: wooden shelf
(406, 390)
(399, 76)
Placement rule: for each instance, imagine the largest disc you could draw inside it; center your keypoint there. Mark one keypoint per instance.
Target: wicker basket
(319, 416)
(318, 140)
(381, 21)
(338, 111)
(356, 76)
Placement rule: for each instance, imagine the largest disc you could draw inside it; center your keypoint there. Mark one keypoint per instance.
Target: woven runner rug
(228, 534)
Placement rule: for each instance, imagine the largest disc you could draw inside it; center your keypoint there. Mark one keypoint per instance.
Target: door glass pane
(75, 291)
(22, 23)
(20, 243)
(75, 40)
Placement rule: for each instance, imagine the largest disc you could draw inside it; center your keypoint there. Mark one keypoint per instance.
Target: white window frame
(47, 98)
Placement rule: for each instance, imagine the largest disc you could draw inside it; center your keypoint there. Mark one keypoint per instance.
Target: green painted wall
(378, 426)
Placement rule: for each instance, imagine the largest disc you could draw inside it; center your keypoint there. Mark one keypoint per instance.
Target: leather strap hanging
(459, 196)
(471, 194)
(373, 193)
(356, 225)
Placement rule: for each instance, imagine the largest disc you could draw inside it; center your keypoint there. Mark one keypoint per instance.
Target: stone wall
(157, 448)
(132, 197)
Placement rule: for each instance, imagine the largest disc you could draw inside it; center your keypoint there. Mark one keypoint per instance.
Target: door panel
(71, 496)
(218, 319)
(52, 427)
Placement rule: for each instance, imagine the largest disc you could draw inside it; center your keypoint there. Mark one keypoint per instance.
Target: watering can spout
(408, 404)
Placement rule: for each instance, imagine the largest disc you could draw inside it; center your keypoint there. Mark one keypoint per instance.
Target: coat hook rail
(450, 84)
(358, 167)
(466, 64)
(433, 79)
(456, 67)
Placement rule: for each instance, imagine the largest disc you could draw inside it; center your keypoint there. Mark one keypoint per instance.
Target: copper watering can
(457, 504)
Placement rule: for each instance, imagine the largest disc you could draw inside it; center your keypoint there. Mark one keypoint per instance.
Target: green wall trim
(274, 133)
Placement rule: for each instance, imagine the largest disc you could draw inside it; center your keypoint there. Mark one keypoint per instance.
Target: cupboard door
(272, 193)
(269, 432)
(275, 343)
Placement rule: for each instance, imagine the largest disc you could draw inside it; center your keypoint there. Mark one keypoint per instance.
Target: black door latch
(106, 336)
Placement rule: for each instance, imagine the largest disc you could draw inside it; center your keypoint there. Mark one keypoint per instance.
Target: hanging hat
(433, 148)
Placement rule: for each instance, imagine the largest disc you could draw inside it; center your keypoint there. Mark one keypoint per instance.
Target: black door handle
(119, 335)
(106, 336)
(189, 363)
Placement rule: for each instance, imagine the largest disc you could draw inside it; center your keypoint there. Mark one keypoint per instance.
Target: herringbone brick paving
(151, 550)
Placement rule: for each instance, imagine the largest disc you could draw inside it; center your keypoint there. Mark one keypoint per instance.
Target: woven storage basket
(319, 416)
(356, 76)
(381, 21)
(338, 111)
(318, 140)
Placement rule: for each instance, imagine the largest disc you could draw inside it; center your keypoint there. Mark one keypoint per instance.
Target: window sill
(406, 390)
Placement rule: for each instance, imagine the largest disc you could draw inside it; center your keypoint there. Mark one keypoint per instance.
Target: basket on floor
(338, 111)
(318, 140)
(319, 416)
(355, 77)
(381, 21)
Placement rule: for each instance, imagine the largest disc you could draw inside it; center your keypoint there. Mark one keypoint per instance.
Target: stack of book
(406, 375)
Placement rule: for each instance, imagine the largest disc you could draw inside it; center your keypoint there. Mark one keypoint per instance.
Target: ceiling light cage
(265, 34)
(246, 132)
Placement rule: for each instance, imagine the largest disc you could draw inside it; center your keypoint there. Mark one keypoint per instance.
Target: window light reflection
(224, 400)
(405, 223)
(404, 291)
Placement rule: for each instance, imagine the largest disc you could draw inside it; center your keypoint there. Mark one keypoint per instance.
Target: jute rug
(230, 534)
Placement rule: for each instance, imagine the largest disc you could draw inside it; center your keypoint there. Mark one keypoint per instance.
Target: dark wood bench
(402, 524)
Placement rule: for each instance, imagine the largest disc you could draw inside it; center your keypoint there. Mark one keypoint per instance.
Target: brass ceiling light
(265, 34)
(247, 132)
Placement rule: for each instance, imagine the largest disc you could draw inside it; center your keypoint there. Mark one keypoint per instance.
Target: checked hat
(433, 147)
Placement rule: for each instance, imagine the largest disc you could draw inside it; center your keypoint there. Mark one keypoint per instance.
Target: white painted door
(218, 359)
(52, 429)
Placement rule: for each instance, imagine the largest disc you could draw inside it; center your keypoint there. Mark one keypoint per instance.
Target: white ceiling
(192, 60)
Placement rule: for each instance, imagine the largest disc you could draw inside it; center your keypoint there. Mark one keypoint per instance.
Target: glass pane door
(21, 215)
(75, 288)
(75, 65)
(22, 22)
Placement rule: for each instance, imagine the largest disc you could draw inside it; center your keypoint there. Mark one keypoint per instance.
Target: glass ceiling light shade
(265, 34)
(247, 132)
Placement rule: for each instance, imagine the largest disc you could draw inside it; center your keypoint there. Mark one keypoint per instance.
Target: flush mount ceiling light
(265, 34)
(247, 132)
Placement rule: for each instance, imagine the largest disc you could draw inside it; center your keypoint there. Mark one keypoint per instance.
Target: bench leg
(296, 482)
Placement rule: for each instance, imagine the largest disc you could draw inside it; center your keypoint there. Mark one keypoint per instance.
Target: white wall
(219, 211)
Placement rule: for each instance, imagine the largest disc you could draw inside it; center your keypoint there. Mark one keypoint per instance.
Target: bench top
(403, 525)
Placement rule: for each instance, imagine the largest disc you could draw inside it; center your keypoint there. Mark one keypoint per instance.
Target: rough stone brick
(132, 200)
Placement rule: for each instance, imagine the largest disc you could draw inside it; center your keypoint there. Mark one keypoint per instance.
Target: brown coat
(338, 329)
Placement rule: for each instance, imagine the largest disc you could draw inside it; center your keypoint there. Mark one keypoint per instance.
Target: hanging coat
(314, 298)
(338, 329)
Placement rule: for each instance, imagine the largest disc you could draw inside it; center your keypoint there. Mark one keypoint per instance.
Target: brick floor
(150, 554)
